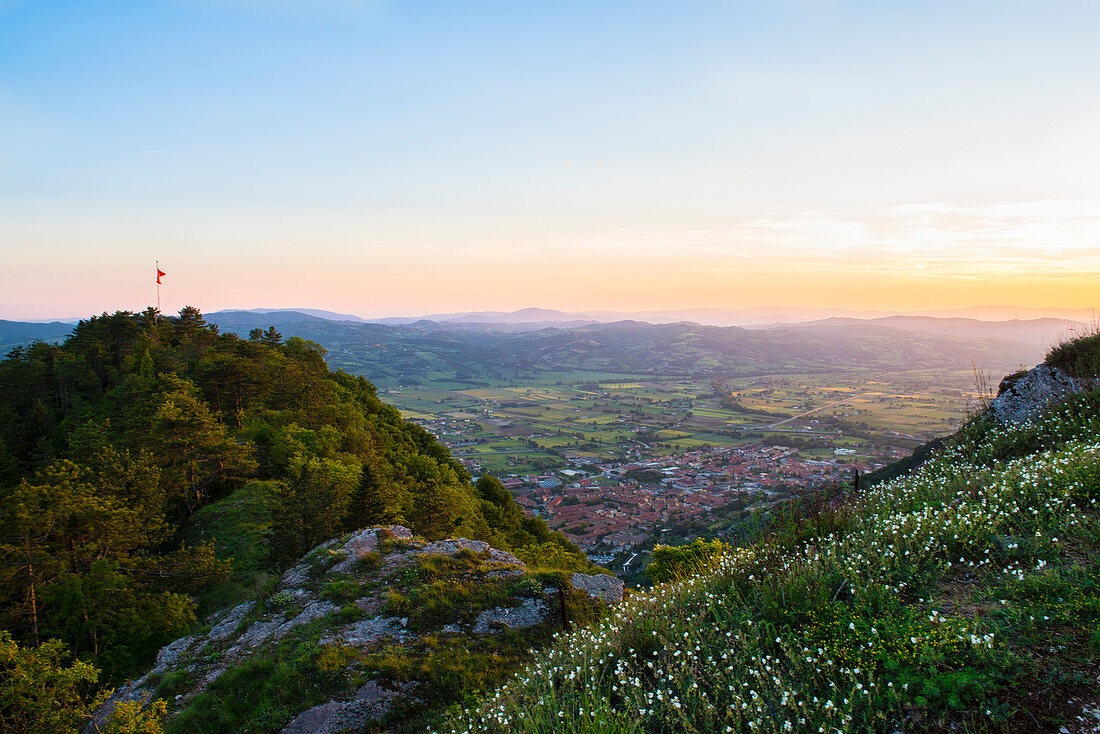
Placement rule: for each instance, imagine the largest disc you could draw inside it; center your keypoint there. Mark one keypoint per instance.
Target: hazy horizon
(750, 315)
(379, 158)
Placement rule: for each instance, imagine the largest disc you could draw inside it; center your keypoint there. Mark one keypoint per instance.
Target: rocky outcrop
(607, 589)
(527, 614)
(368, 632)
(368, 592)
(370, 703)
(1026, 395)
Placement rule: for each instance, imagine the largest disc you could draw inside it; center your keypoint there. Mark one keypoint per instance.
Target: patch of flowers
(841, 633)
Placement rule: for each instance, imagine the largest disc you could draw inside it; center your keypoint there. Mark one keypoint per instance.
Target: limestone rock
(230, 621)
(371, 702)
(256, 634)
(452, 547)
(297, 575)
(367, 633)
(316, 610)
(528, 614)
(607, 589)
(170, 654)
(1028, 396)
(370, 605)
(123, 694)
(364, 542)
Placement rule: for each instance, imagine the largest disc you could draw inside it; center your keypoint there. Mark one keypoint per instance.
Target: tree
(230, 382)
(671, 563)
(130, 718)
(271, 337)
(39, 692)
(63, 520)
(436, 508)
(500, 509)
(75, 558)
(378, 500)
(195, 452)
(313, 506)
(107, 612)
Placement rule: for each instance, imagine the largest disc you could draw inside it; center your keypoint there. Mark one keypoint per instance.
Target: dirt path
(823, 407)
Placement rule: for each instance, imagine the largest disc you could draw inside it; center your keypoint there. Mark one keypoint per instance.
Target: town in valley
(621, 464)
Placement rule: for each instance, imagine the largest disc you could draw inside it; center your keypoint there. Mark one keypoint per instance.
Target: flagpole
(158, 285)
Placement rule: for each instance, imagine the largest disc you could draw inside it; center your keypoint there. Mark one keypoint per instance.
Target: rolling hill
(426, 351)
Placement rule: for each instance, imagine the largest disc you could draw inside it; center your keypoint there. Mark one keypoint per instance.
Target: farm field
(520, 427)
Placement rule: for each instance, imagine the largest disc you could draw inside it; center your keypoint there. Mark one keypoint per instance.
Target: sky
(381, 157)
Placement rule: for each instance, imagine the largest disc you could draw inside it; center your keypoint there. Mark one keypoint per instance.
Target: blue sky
(389, 157)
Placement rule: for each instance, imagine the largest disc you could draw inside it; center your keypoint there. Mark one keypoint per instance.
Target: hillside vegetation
(374, 631)
(153, 470)
(963, 596)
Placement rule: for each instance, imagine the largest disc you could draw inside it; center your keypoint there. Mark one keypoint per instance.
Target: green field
(518, 427)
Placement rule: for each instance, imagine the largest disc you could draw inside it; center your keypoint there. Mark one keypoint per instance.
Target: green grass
(1080, 357)
(963, 597)
(263, 693)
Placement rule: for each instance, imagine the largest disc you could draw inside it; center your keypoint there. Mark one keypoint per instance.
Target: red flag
(159, 274)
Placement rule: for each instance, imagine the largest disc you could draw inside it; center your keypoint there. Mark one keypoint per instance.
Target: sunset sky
(399, 158)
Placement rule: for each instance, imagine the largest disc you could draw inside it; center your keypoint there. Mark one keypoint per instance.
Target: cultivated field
(517, 427)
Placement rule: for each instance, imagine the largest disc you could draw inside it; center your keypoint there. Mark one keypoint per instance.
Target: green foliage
(174, 683)
(449, 669)
(240, 528)
(152, 467)
(675, 562)
(195, 451)
(311, 505)
(644, 476)
(262, 694)
(342, 591)
(439, 591)
(39, 692)
(1057, 596)
(556, 553)
(1079, 357)
(107, 613)
(129, 717)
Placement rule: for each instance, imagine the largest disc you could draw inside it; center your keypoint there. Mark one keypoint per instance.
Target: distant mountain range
(504, 345)
(319, 313)
(21, 333)
(429, 351)
(747, 317)
(1043, 333)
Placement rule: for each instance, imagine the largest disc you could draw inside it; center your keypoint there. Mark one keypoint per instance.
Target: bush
(675, 562)
(129, 718)
(38, 692)
(1079, 357)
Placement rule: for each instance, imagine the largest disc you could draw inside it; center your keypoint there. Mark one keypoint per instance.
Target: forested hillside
(153, 469)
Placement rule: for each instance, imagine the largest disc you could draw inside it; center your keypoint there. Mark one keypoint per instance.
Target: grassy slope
(962, 597)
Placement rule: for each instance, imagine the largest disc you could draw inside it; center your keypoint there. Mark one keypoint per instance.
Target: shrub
(39, 692)
(675, 562)
(1079, 357)
(129, 718)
